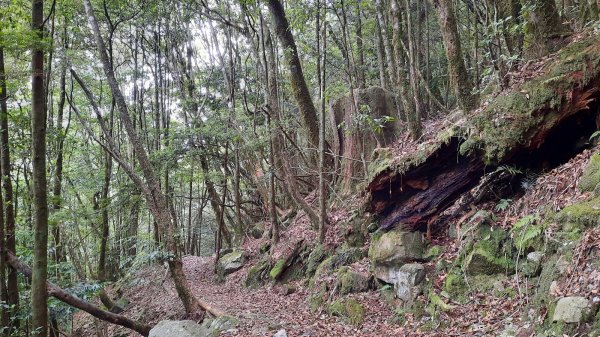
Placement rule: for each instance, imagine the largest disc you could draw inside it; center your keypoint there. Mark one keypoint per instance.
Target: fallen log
(535, 125)
(63, 296)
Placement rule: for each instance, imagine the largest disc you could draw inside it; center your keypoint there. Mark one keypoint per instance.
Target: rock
(349, 310)
(396, 248)
(535, 257)
(590, 178)
(433, 252)
(315, 258)
(219, 324)
(258, 274)
(280, 333)
(230, 263)
(349, 281)
(179, 329)
(407, 281)
(355, 232)
(289, 289)
(574, 309)
(578, 216)
(119, 306)
(499, 286)
(533, 265)
(490, 254)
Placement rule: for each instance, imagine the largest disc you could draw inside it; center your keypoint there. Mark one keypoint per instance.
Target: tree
(39, 293)
(308, 112)
(459, 79)
(155, 198)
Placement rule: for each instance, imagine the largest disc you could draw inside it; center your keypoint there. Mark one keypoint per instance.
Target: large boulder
(179, 329)
(231, 262)
(392, 255)
(573, 309)
(389, 251)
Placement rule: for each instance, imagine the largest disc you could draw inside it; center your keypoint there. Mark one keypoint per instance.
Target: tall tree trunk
(59, 255)
(387, 43)
(459, 79)
(413, 67)
(300, 91)
(153, 194)
(4, 310)
(39, 293)
(12, 286)
(322, 166)
(360, 60)
(414, 125)
(105, 228)
(381, 57)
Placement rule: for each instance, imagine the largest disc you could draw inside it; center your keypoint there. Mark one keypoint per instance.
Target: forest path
(264, 311)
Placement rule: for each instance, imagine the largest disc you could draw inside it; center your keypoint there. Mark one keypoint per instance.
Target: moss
(437, 302)
(318, 254)
(277, 269)
(510, 118)
(456, 287)
(396, 246)
(345, 256)
(349, 281)
(317, 299)
(257, 274)
(491, 254)
(580, 215)
(591, 176)
(433, 252)
(349, 310)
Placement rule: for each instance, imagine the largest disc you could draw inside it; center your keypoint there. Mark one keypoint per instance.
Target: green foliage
(502, 205)
(527, 233)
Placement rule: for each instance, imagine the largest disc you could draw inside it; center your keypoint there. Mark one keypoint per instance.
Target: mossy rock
(349, 281)
(492, 254)
(345, 256)
(577, 216)
(396, 247)
(591, 176)
(258, 274)
(318, 254)
(456, 287)
(277, 269)
(433, 252)
(229, 263)
(349, 310)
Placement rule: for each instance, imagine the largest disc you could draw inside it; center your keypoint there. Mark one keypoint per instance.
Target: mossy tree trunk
(308, 112)
(459, 78)
(12, 285)
(39, 293)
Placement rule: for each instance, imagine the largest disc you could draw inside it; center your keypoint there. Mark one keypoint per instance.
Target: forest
(281, 168)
